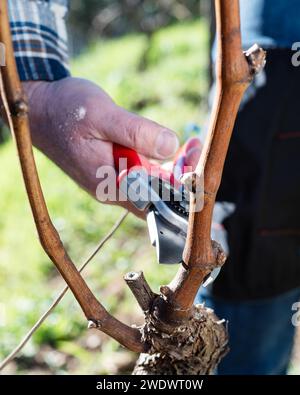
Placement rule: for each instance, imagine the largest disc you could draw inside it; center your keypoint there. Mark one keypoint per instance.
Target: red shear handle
(122, 153)
(126, 158)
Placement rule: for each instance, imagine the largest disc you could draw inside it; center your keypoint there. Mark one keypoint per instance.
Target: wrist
(31, 87)
(37, 97)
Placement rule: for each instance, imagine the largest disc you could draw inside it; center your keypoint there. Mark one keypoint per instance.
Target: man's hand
(74, 123)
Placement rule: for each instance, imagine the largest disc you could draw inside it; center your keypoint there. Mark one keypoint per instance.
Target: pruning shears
(159, 194)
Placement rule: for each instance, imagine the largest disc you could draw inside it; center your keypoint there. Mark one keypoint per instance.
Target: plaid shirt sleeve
(40, 38)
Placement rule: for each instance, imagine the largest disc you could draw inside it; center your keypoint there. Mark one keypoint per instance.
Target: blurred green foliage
(163, 77)
(91, 18)
(168, 86)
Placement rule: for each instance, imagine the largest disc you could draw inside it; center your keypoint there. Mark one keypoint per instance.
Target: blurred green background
(152, 58)
(161, 75)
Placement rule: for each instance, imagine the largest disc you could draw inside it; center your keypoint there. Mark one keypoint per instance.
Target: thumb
(146, 137)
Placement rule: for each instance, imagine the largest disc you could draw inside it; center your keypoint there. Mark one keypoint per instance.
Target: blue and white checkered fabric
(40, 38)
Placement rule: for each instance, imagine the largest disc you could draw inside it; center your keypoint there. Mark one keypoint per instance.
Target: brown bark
(16, 108)
(179, 337)
(186, 338)
(234, 73)
(193, 347)
(141, 290)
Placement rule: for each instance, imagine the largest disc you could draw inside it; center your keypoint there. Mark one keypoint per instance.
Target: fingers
(187, 157)
(192, 157)
(193, 152)
(146, 137)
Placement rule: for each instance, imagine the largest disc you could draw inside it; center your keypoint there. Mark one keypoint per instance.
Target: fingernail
(166, 144)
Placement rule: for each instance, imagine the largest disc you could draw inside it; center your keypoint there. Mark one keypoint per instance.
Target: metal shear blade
(167, 219)
(169, 241)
